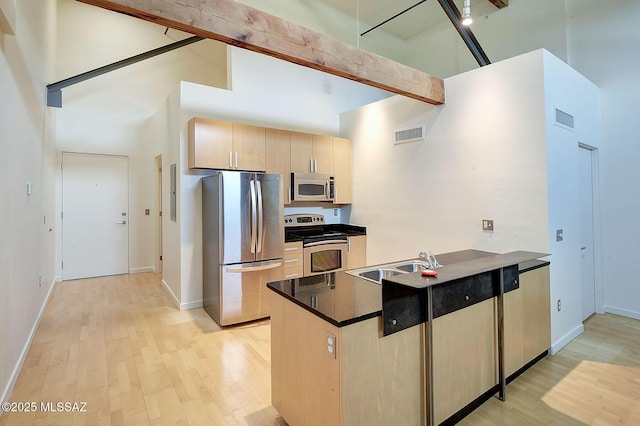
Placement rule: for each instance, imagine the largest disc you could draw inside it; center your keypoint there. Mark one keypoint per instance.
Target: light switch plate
(487, 224)
(559, 235)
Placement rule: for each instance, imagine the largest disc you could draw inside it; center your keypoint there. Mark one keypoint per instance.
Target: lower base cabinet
(370, 381)
(464, 357)
(375, 380)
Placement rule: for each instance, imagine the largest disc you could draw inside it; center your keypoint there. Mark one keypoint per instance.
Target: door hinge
(61, 215)
(161, 258)
(160, 213)
(61, 265)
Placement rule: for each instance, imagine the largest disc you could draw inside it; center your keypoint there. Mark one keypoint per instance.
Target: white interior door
(586, 233)
(95, 215)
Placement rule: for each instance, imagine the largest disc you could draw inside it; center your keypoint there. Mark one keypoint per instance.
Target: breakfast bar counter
(408, 349)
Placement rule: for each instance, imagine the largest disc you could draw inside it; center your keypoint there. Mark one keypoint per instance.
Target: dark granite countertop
(338, 298)
(463, 264)
(349, 230)
(342, 299)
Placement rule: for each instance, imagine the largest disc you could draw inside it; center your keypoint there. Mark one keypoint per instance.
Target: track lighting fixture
(466, 13)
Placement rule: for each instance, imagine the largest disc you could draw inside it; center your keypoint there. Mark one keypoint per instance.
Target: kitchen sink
(377, 273)
(413, 266)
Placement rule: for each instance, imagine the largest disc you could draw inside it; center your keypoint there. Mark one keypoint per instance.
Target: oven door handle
(320, 243)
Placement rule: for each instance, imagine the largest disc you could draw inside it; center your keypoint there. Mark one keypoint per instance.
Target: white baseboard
(142, 270)
(622, 312)
(8, 390)
(182, 306)
(171, 295)
(564, 340)
(191, 305)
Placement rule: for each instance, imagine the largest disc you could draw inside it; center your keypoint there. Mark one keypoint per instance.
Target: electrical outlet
(335, 212)
(559, 305)
(40, 281)
(487, 224)
(331, 345)
(559, 235)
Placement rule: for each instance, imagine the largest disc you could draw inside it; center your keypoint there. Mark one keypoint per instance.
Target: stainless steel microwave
(312, 187)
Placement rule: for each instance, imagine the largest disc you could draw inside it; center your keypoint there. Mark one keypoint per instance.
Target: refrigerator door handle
(253, 268)
(254, 216)
(260, 216)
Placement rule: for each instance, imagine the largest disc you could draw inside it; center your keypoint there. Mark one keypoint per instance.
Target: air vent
(409, 135)
(564, 120)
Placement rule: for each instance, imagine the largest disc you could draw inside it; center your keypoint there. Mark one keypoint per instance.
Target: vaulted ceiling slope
(406, 18)
(237, 24)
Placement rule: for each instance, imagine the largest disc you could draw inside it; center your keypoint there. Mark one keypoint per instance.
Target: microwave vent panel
(409, 135)
(564, 119)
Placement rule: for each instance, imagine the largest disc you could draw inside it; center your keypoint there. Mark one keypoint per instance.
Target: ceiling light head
(466, 13)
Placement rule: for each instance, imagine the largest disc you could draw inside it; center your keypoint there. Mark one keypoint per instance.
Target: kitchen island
(333, 362)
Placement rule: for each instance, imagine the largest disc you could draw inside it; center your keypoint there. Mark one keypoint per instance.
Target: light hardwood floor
(120, 345)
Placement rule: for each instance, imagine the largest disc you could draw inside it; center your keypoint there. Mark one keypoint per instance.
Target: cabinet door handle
(230, 160)
(311, 165)
(236, 159)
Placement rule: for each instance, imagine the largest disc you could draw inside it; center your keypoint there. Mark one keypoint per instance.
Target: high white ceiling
(421, 18)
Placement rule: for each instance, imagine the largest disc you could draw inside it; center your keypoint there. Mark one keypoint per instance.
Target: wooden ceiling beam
(500, 3)
(240, 25)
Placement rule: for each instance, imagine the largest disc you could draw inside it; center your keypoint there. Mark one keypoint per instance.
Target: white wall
(27, 156)
(572, 93)
(603, 45)
(491, 152)
(110, 114)
(598, 39)
(265, 91)
(483, 158)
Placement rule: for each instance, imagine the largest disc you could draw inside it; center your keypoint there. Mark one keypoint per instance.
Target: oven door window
(326, 261)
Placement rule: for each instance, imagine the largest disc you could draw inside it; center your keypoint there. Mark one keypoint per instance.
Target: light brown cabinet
(278, 158)
(249, 147)
(464, 357)
(368, 382)
(210, 144)
(380, 380)
(311, 153)
(357, 255)
(342, 170)
(214, 144)
(293, 267)
(527, 319)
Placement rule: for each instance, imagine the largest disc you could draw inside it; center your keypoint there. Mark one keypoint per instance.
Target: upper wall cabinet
(217, 144)
(214, 144)
(342, 170)
(278, 158)
(210, 144)
(249, 147)
(311, 153)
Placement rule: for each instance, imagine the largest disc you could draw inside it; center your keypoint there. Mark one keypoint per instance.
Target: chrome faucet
(430, 259)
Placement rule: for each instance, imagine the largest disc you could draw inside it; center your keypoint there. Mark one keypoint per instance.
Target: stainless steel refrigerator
(243, 244)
